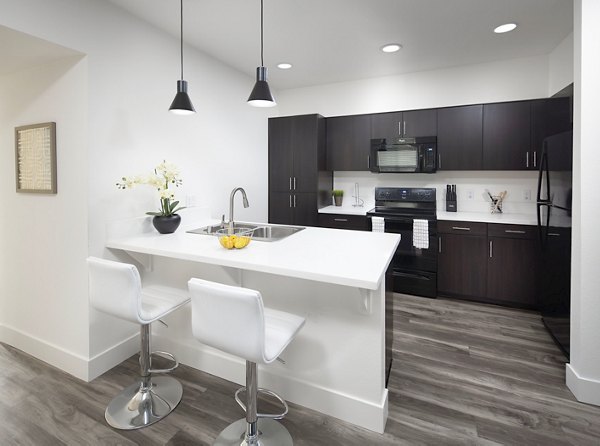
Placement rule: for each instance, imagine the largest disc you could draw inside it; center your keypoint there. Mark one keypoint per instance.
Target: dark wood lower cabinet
(342, 221)
(462, 265)
(497, 264)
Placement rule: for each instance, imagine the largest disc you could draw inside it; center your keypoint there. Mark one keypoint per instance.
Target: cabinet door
(305, 153)
(511, 271)
(305, 209)
(386, 125)
(280, 208)
(348, 142)
(462, 261)
(343, 221)
(507, 136)
(420, 123)
(280, 154)
(550, 117)
(460, 138)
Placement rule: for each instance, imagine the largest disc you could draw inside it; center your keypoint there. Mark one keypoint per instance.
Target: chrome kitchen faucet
(244, 198)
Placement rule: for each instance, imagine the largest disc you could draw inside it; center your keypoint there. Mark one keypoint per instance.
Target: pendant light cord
(181, 36)
(262, 62)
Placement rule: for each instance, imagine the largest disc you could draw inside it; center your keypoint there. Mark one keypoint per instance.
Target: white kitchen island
(334, 278)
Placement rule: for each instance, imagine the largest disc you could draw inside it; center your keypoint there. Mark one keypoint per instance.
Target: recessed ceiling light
(391, 48)
(284, 66)
(507, 27)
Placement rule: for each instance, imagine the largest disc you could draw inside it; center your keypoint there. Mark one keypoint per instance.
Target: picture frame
(35, 158)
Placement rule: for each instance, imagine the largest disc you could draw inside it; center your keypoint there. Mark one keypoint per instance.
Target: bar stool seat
(234, 320)
(116, 289)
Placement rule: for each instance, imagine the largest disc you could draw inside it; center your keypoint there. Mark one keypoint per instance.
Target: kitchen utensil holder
(496, 204)
(451, 206)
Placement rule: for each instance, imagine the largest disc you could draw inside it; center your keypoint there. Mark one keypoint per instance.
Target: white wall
(583, 372)
(507, 80)
(133, 70)
(43, 284)
(561, 66)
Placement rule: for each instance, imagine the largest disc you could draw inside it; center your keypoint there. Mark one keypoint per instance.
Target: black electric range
(414, 268)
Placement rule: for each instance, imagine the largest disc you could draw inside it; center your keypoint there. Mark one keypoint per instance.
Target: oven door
(407, 256)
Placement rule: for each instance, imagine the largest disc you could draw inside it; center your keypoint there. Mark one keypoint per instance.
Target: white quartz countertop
(351, 258)
(345, 210)
(487, 217)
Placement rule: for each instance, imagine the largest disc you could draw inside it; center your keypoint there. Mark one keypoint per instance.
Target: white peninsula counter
(334, 278)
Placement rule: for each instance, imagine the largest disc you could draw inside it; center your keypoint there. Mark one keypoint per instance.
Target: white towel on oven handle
(378, 224)
(421, 234)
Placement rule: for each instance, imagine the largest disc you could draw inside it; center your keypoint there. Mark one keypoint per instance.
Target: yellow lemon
(226, 242)
(241, 242)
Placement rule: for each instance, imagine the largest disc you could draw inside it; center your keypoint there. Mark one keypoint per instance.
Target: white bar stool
(115, 288)
(234, 320)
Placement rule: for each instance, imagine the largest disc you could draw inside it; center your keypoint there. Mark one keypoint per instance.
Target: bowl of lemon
(236, 238)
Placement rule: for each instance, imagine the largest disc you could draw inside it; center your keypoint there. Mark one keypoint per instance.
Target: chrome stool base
(135, 407)
(270, 433)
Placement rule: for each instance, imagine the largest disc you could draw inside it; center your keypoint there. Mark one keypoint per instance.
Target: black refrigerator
(554, 201)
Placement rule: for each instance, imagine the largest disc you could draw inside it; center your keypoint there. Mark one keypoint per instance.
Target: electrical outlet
(470, 195)
(191, 200)
(527, 195)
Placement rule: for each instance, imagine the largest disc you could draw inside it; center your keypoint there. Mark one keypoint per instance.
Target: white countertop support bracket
(366, 298)
(146, 260)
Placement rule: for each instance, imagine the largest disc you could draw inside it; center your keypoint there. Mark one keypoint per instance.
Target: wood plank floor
(463, 374)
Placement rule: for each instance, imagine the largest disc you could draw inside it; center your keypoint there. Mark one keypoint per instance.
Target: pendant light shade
(182, 105)
(261, 93)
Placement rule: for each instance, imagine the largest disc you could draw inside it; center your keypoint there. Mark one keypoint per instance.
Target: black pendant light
(261, 93)
(182, 105)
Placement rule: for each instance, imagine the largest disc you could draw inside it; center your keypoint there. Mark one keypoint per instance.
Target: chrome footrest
(165, 355)
(263, 415)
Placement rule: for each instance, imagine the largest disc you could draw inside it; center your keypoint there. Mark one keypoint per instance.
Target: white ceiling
(339, 40)
(20, 51)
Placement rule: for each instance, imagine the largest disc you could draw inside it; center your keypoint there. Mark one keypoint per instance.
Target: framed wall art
(35, 158)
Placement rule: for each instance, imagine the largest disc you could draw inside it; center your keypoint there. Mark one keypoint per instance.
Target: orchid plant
(165, 174)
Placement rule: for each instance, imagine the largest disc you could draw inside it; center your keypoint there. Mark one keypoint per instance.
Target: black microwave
(408, 155)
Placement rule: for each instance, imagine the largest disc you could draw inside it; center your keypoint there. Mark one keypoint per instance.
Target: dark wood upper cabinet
(460, 138)
(348, 142)
(507, 136)
(404, 124)
(280, 154)
(420, 122)
(550, 117)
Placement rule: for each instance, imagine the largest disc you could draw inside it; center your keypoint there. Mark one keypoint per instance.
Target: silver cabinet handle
(399, 128)
(439, 161)
(290, 201)
(554, 234)
(526, 159)
(460, 228)
(294, 183)
(403, 128)
(440, 245)
(340, 219)
(535, 158)
(290, 183)
(369, 162)
(491, 249)
(294, 201)
(514, 231)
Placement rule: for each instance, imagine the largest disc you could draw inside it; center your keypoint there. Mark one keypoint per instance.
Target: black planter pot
(166, 225)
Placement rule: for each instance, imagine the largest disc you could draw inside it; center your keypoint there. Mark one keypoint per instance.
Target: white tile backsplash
(475, 183)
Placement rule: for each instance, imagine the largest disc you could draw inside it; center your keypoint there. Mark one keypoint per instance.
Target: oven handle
(400, 219)
(411, 276)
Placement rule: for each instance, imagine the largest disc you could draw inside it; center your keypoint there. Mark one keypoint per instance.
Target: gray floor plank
(463, 374)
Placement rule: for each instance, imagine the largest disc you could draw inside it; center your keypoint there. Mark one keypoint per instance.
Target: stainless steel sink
(263, 232)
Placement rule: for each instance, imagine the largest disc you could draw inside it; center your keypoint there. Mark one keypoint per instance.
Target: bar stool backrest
(115, 288)
(229, 318)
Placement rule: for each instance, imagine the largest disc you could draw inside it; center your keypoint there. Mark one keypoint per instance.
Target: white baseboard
(54, 355)
(357, 411)
(112, 356)
(585, 390)
(72, 363)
